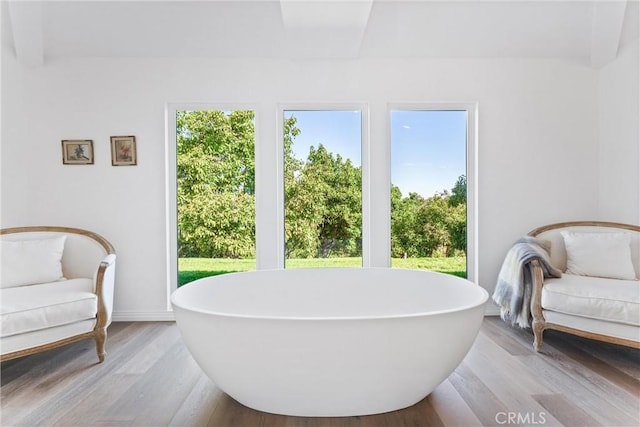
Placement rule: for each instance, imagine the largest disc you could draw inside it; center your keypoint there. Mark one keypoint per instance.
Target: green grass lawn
(190, 269)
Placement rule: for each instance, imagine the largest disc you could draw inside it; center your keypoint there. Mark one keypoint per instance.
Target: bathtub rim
(484, 297)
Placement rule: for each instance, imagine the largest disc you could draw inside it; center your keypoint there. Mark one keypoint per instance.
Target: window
(215, 192)
(322, 188)
(429, 214)
(330, 197)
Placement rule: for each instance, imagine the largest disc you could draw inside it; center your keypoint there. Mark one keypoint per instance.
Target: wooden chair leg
(536, 304)
(101, 339)
(538, 329)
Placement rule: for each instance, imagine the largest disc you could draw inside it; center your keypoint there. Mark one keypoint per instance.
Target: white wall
(538, 142)
(619, 138)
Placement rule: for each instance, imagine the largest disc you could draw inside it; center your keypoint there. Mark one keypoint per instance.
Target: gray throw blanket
(515, 281)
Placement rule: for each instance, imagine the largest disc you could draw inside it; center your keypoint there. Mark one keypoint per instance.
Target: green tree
(292, 165)
(216, 149)
(216, 183)
(218, 225)
(323, 206)
(457, 228)
(323, 197)
(459, 192)
(457, 221)
(432, 219)
(436, 226)
(406, 237)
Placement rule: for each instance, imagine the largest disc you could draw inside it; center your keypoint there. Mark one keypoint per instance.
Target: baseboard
(143, 316)
(167, 316)
(491, 310)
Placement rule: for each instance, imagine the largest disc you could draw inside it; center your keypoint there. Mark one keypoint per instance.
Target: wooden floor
(149, 379)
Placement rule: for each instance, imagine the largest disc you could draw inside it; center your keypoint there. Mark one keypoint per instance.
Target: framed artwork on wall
(123, 151)
(77, 151)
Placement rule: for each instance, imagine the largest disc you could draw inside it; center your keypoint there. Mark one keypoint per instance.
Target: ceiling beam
(327, 29)
(26, 24)
(325, 14)
(608, 18)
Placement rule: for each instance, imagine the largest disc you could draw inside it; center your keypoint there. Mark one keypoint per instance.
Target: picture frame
(123, 151)
(77, 151)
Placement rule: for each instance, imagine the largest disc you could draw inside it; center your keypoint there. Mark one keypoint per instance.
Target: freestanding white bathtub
(330, 341)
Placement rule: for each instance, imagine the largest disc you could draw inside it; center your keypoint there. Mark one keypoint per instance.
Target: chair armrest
(104, 289)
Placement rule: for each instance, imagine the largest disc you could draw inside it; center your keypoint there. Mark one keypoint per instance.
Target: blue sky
(428, 148)
(339, 131)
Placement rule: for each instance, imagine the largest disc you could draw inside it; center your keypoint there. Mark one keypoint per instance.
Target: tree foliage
(216, 183)
(459, 192)
(436, 226)
(323, 205)
(323, 197)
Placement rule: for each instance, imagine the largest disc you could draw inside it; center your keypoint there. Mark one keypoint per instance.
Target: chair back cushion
(27, 262)
(599, 254)
(559, 252)
(81, 256)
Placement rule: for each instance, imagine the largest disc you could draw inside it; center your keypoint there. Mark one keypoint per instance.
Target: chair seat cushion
(594, 297)
(35, 307)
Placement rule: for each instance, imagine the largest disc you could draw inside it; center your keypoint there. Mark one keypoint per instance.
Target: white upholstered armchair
(598, 295)
(56, 287)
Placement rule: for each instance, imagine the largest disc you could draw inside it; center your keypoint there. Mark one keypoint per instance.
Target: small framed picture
(77, 151)
(123, 151)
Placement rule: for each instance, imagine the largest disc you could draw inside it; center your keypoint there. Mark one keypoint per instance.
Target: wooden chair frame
(539, 323)
(99, 333)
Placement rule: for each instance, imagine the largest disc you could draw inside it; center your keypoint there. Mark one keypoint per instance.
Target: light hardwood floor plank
(158, 393)
(601, 368)
(566, 412)
(78, 380)
(150, 379)
(451, 407)
(108, 388)
(597, 395)
(513, 345)
(613, 355)
(561, 365)
(478, 396)
(511, 384)
(199, 405)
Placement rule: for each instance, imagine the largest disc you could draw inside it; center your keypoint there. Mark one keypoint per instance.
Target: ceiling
(587, 31)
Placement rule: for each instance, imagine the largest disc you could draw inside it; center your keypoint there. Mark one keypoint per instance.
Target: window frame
(171, 184)
(269, 185)
(472, 171)
(363, 107)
